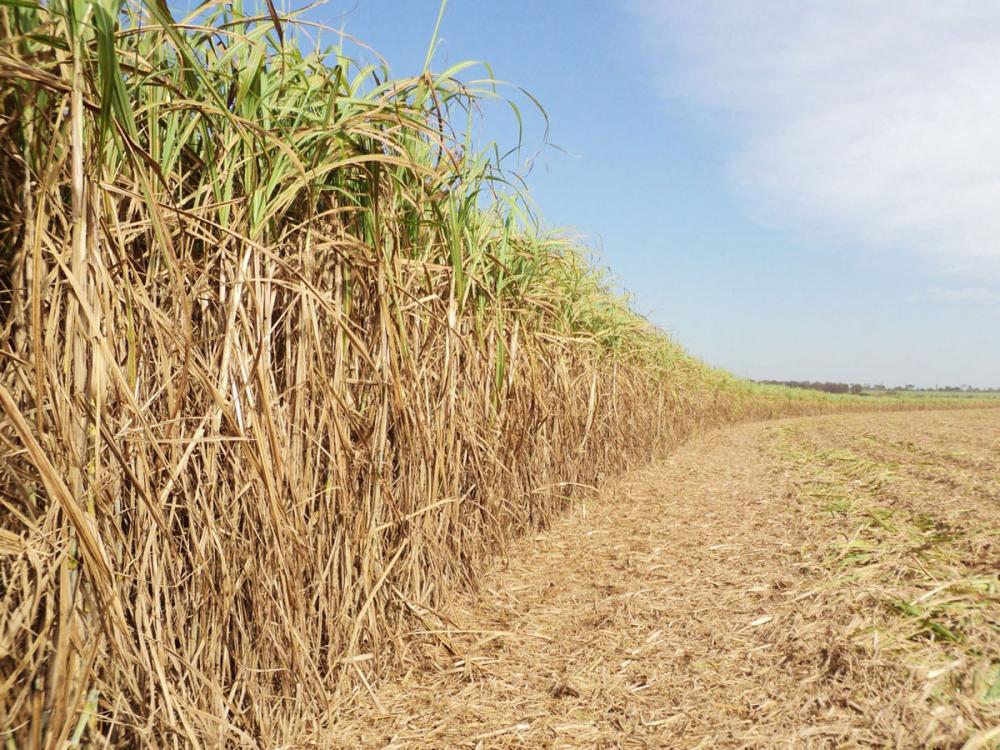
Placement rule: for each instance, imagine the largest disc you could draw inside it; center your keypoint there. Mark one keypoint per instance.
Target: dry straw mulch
(710, 600)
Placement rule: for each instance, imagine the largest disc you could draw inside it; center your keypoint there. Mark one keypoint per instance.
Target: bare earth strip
(827, 582)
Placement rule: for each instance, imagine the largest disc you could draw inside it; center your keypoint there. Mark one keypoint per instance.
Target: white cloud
(875, 123)
(973, 295)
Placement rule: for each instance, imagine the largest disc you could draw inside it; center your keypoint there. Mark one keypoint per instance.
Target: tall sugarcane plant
(283, 356)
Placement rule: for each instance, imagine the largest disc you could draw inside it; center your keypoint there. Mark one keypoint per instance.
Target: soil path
(689, 606)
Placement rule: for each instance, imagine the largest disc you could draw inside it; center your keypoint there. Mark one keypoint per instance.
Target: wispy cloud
(876, 123)
(970, 295)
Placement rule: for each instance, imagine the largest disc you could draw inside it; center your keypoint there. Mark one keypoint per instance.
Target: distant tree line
(818, 386)
(862, 388)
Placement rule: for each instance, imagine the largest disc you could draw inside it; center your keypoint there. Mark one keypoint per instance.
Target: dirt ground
(823, 582)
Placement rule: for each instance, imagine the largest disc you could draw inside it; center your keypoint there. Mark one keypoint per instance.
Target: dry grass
(917, 504)
(708, 601)
(282, 360)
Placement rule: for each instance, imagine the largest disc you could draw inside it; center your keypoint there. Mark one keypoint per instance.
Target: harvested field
(820, 582)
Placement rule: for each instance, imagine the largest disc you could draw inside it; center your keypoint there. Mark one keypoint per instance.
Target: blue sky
(793, 192)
